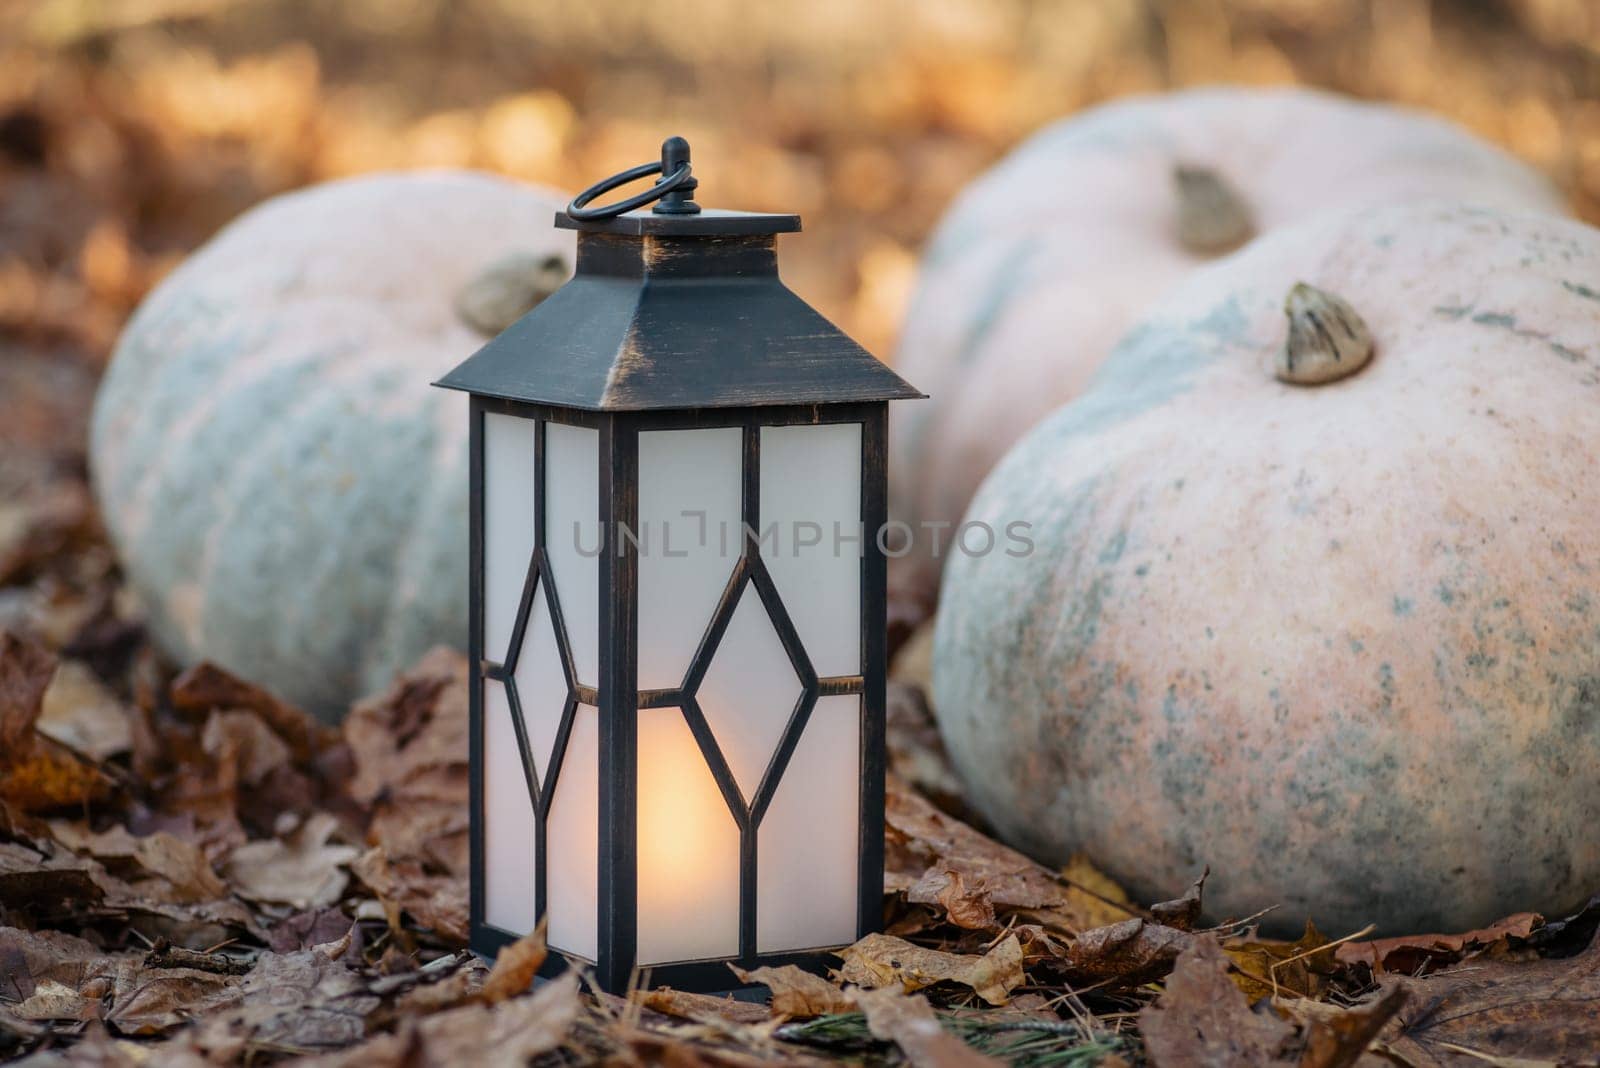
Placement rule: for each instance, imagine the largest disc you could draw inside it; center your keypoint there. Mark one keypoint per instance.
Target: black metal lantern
(677, 596)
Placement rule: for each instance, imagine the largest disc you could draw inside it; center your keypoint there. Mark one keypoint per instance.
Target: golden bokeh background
(129, 131)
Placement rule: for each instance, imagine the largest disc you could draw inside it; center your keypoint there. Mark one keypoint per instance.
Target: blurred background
(130, 131)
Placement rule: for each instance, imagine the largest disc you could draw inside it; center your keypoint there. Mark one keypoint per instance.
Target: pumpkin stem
(508, 289)
(1213, 217)
(1327, 339)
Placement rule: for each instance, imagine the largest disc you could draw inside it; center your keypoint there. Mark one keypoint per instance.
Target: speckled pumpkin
(1339, 641)
(287, 492)
(1043, 263)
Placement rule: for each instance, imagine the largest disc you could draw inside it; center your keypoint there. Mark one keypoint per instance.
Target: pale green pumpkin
(1339, 641)
(286, 490)
(1043, 263)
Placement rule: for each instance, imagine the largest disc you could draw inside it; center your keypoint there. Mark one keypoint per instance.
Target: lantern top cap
(711, 223)
(680, 325)
(675, 213)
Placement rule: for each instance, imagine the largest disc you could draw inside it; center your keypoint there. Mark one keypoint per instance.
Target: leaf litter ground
(193, 871)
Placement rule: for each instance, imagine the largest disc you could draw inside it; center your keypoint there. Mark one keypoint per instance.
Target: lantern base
(696, 976)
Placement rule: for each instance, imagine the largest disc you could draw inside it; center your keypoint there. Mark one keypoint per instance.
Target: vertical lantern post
(677, 598)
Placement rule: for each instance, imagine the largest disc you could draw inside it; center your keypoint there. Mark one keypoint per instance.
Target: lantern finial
(675, 155)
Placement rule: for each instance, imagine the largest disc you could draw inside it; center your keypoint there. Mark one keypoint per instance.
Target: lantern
(677, 598)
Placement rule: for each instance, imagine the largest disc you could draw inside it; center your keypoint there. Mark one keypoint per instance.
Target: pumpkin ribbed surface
(286, 490)
(1041, 265)
(1341, 642)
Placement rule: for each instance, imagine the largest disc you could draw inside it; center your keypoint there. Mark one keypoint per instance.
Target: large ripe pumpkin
(287, 492)
(1043, 263)
(1341, 642)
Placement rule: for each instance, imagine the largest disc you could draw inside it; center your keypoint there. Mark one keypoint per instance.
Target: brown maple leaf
(798, 993)
(37, 772)
(1202, 1019)
(1273, 968)
(1500, 1011)
(1128, 953)
(881, 960)
(1408, 954)
(410, 751)
(934, 858)
(909, 1022)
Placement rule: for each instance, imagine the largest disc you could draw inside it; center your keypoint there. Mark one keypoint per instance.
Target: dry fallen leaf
(1127, 953)
(1269, 968)
(965, 904)
(29, 958)
(56, 1001)
(193, 926)
(153, 1001)
(515, 967)
(698, 1046)
(45, 776)
(182, 865)
(207, 687)
(303, 930)
(1499, 1011)
(1093, 895)
(306, 1001)
(462, 983)
(798, 993)
(909, 1022)
(46, 882)
(916, 751)
(182, 872)
(40, 527)
(703, 1007)
(37, 772)
(881, 960)
(1202, 1019)
(1568, 935)
(1184, 911)
(1408, 954)
(927, 852)
(302, 870)
(506, 1035)
(437, 902)
(1339, 1037)
(410, 750)
(242, 738)
(26, 668)
(78, 711)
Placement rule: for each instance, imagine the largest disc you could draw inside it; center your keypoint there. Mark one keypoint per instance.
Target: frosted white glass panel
(508, 491)
(508, 820)
(749, 692)
(806, 850)
(572, 852)
(541, 684)
(684, 560)
(811, 488)
(688, 848)
(572, 537)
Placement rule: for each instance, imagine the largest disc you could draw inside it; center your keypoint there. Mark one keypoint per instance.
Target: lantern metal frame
(676, 320)
(618, 700)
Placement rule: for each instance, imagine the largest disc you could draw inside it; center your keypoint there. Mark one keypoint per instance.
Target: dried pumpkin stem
(508, 289)
(1213, 216)
(1327, 339)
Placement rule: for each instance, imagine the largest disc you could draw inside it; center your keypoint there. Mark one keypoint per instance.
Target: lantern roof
(674, 308)
(604, 342)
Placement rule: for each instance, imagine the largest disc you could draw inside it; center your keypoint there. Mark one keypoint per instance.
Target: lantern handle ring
(673, 189)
